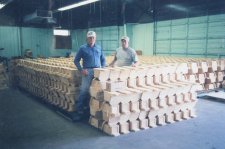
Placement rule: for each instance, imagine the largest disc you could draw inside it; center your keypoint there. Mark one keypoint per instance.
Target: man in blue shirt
(92, 57)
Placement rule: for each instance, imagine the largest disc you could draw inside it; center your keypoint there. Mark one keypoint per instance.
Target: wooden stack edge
(3, 77)
(54, 86)
(129, 99)
(138, 116)
(209, 74)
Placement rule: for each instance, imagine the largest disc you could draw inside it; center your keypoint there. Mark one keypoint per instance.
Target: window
(62, 39)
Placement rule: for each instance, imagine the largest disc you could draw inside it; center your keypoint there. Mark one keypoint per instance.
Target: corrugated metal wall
(143, 38)
(200, 36)
(9, 41)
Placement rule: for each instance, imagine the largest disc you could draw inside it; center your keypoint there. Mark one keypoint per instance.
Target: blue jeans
(84, 96)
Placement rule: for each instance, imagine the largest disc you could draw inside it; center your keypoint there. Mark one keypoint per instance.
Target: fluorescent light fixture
(61, 32)
(77, 5)
(2, 5)
(177, 7)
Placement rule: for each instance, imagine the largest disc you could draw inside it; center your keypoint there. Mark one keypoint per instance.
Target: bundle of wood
(3, 77)
(207, 72)
(128, 99)
(54, 80)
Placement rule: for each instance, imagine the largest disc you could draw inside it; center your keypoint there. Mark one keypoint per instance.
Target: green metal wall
(195, 37)
(9, 41)
(143, 38)
(200, 36)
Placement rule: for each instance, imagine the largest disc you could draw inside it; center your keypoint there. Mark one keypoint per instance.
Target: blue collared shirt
(93, 57)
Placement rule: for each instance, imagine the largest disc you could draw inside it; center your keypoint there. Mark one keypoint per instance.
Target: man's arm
(113, 62)
(135, 60)
(77, 59)
(103, 61)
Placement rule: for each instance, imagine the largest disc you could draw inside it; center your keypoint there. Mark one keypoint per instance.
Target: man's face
(124, 43)
(91, 40)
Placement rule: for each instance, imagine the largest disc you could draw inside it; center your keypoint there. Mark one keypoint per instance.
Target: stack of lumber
(3, 77)
(207, 72)
(55, 81)
(128, 99)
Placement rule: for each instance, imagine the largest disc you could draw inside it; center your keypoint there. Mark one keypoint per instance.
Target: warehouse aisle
(26, 123)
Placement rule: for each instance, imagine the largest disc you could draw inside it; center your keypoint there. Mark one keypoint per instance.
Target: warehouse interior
(178, 87)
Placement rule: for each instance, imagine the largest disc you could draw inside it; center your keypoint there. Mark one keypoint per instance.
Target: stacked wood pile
(3, 77)
(160, 91)
(129, 99)
(207, 72)
(56, 81)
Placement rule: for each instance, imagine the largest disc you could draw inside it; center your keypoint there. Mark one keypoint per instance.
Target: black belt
(90, 67)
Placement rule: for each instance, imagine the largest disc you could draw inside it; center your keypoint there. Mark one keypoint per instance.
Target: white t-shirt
(125, 57)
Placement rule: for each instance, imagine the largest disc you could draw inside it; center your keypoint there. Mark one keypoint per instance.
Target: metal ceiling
(108, 12)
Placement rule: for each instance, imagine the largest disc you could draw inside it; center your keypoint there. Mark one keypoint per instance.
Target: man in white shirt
(125, 56)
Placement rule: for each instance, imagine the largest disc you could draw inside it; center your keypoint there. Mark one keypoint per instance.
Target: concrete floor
(26, 123)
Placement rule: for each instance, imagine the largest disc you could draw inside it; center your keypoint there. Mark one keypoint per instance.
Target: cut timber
(185, 114)
(191, 78)
(154, 104)
(134, 125)
(160, 120)
(165, 78)
(113, 130)
(114, 98)
(110, 111)
(163, 102)
(124, 118)
(101, 74)
(152, 122)
(124, 128)
(192, 113)
(134, 106)
(134, 94)
(157, 79)
(125, 108)
(124, 74)
(182, 68)
(193, 68)
(150, 72)
(201, 78)
(140, 81)
(221, 65)
(178, 116)
(180, 77)
(212, 66)
(99, 85)
(134, 116)
(209, 86)
(203, 67)
(144, 123)
(114, 74)
(187, 97)
(171, 100)
(95, 108)
(179, 99)
(95, 122)
(132, 83)
(219, 76)
(143, 115)
(96, 93)
(211, 78)
(169, 118)
(144, 105)
(115, 86)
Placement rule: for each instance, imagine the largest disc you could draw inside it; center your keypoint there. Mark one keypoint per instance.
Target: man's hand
(133, 65)
(111, 65)
(84, 72)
